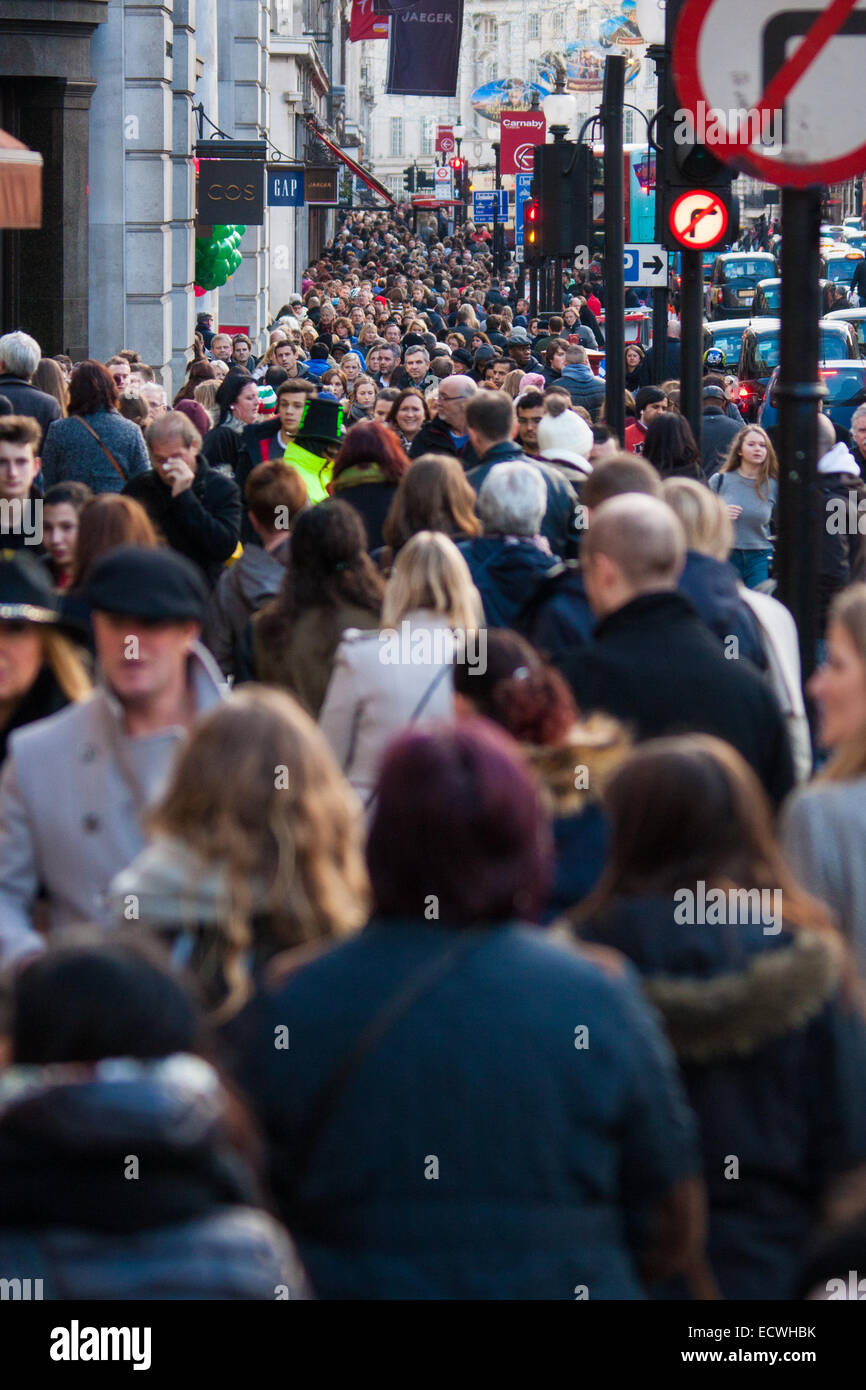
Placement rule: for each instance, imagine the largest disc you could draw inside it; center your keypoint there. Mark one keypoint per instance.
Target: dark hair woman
(104, 524)
(570, 756)
(237, 400)
(634, 367)
(755, 988)
(445, 985)
(94, 445)
(103, 1042)
(331, 584)
(199, 370)
(367, 470)
(670, 447)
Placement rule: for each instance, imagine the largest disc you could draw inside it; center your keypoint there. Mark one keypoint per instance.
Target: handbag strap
(327, 1100)
(108, 454)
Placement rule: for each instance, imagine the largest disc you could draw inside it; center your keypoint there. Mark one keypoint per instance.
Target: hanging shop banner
(366, 22)
(425, 48)
(321, 185)
(231, 191)
(285, 187)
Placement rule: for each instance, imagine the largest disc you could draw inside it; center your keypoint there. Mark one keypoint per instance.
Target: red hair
(371, 442)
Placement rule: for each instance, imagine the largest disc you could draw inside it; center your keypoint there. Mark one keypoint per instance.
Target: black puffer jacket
(117, 1182)
(203, 523)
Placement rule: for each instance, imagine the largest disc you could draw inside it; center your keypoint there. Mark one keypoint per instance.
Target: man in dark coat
(447, 432)
(718, 430)
(195, 508)
(653, 664)
(19, 358)
(509, 561)
(491, 422)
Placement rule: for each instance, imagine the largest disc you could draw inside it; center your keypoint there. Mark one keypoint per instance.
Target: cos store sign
(231, 191)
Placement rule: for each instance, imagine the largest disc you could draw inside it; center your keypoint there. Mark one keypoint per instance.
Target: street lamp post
(459, 134)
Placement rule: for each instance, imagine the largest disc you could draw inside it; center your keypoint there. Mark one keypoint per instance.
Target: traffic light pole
(497, 266)
(799, 392)
(691, 340)
(659, 55)
(614, 213)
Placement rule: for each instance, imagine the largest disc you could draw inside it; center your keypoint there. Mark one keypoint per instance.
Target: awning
(436, 203)
(20, 184)
(356, 169)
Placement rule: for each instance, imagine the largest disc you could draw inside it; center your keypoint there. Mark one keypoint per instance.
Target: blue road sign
(285, 188)
(483, 202)
(522, 194)
(645, 265)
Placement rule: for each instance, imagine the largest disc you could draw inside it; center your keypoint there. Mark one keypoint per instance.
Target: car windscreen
(833, 342)
(841, 268)
(753, 270)
(729, 340)
(845, 386)
(772, 296)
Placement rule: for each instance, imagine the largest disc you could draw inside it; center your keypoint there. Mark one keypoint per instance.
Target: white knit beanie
(567, 431)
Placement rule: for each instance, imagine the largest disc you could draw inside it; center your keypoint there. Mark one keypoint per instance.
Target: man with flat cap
(75, 786)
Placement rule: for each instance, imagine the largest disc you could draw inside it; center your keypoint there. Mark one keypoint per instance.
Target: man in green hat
(315, 446)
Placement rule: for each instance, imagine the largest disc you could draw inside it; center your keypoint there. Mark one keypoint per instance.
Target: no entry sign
(776, 86)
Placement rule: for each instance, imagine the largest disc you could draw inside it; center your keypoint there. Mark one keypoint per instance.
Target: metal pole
(533, 291)
(692, 340)
(496, 266)
(614, 239)
(659, 55)
(799, 392)
(557, 285)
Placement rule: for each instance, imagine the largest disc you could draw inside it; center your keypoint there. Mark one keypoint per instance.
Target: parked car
(733, 280)
(846, 389)
(760, 350)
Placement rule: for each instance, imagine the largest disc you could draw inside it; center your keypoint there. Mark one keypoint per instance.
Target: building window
(488, 29)
(396, 134)
(558, 22)
(628, 127)
(533, 26)
(395, 186)
(533, 70)
(582, 24)
(428, 134)
(492, 72)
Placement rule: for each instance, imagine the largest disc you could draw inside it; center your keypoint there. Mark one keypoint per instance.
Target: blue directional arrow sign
(483, 203)
(645, 265)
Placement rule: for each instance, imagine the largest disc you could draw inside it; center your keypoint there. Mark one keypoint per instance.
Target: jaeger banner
(425, 48)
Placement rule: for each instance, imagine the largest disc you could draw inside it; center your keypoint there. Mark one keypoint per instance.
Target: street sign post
(645, 266)
(484, 202)
(699, 219)
(786, 99)
(443, 182)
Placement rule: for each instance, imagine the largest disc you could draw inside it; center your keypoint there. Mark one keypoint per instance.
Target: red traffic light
(457, 163)
(531, 221)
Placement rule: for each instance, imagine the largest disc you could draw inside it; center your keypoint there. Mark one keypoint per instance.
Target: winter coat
(42, 699)
(584, 387)
(572, 776)
(843, 550)
(73, 793)
(711, 586)
(434, 437)
(27, 400)
(241, 591)
(558, 616)
(559, 524)
(654, 665)
(71, 454)
(781, 644)
(461, 1163)
(380, 683)
(770, 1056)
(303, 659)
(203, 523)
(506, 570)
(718, 432)
(822, 827)
(71, 1215)
(371, 498)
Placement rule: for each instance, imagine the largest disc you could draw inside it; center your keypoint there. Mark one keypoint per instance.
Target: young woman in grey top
(747, 483)
(823, 825)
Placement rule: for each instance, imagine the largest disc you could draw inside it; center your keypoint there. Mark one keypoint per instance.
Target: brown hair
(106, 522)
(49, 378)
(92, 388)
(256, 791)
(618, 474)
(273, 485)
(20, 429)
(434, 495)
(297, 386)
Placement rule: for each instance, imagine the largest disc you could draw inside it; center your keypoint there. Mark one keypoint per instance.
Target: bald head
(635, 545)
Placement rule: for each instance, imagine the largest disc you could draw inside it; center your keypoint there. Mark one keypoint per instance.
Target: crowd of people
(412, 837)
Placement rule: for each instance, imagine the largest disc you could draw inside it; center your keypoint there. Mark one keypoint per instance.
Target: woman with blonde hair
(824, 824)
(383, 681)
(256, 847)
(205, 395)
(747, 483)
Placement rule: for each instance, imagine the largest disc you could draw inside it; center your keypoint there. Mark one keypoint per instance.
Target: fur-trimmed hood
(724, 992)
(573, 773)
